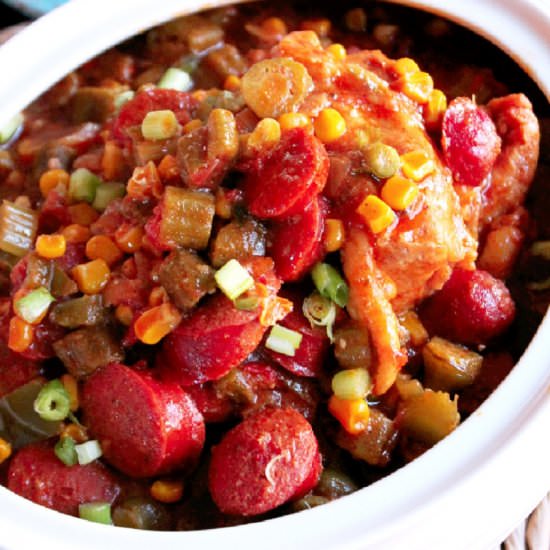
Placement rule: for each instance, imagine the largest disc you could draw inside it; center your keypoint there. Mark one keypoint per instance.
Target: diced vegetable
(417, 334)
(417, 86)
(102, 247)
(83, 185)
(93, 103)
(329, 125)
(71, 385)
(399, 192)
(175, 79)
(18, 226)
(265, 136)
(98, 512)
(10, 127)
(233, 279)
(381, 160)
(65, 451)
(330, 283)
(51, 246)
(33, 307)
(155, 323)
(449, 367)
(288, 121)
(88, 451)
(123, 98)
(91, 277)
(141, 513)
(223, 138)
(320, 311)
(61, 284)
(20, 335)
(376, 213)
(51, 179)
(334, 235)
(352, 347)
(353, 414)
(416, 165)
(238, 240)
(283, 340)
(5, 450)
(107, 192)
(351, 384)
(434, 109)
(167, 490)
(84, 311)
(53, 402)
(159, 125)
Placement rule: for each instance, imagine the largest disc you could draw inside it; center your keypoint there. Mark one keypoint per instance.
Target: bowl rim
(519, 406)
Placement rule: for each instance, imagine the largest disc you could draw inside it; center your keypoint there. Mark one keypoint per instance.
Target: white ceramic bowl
(471, 489)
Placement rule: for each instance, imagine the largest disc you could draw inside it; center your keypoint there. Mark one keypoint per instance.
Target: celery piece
(8, 129)
(18, 227)
(107, 192)
(83, 185)
(175, 79)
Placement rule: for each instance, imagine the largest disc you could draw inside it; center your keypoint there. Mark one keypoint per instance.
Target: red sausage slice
(472, 308)
(285, 180)
(38, 475)
(470, 141)
(145, 427)
(297, 242)
(268, 459)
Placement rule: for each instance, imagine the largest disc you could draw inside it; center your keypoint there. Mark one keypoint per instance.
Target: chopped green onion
(65, 450)
(88, 452)
(320, 311)
(233, 279)
(18, 227)
(8, 130)
(330, 283)
(283, 340)
(175, 79)
(32, 307)
(123, 98)
(159, 125)
(107, 192)
(246, 303)
(83, 185)
(351, 384)
(541, 248)
(98, 512)
(52, 402)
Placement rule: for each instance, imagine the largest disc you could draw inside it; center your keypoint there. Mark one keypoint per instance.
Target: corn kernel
(101, 246)
(50, 179)
(416, 165)
(417, 86)
(405, 66)
(91, 277)
(168, 168)
(320, 26)
(274, 25)
(334, 235)
(265, 136)
(353, 414)
(76, 233)
(167, 491)
(376, 213)
(337, 51)
(76, 432)
(288, 121)
(232, 83)
(20, 334)
(124, 315)
(435, 108)
(113, 162)
(51, 246)
(330, 125)
(399, 192)
(129, 238)
(83, 214)
(351, 384)
(71, 386)
(192, 125)
(5, 450)
(155, 323)
(418, 335)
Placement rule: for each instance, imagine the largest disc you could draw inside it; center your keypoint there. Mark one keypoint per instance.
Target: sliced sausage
(268, 459)
(145, 427)
(284, 180)
(37, 474)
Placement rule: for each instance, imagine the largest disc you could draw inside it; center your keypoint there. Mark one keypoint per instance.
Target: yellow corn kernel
(232, 83)
(91, 277)
(155, 323)
(50, 179)
(129, 238)
(124, 315)
(167, 169)
(71, 386)
(320, 26)
(330, 125)
(376, 213)
(74, 431)
(20, 334)
(274, 25)
(5, 450)
(334, 235)
(399, 192)
(192, 125)
(288, 121)
(83, 214)
(265, 136)
(405, 66)
(51, 246)
(337, 51)
(101, 246)
(417, 86)
(167, 490)
(353, 414)
(76, 233)
(435, 108)
(416, 165)
(418, 335)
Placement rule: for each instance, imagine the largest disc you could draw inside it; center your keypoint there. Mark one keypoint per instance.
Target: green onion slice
(123, 98)
(88, 452)
(320, 312)
(98, 512)
(330, 283)
(52, 402)
(159, 125)
(83, 185)
(8, 130)
(175, 79)
(283, 340)
(246, 302)
(107, 192)
(233, 279)
(34, 305)
(65, 450)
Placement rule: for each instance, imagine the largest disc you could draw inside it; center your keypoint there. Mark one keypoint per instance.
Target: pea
(141, 513)
(334, 484)
(381, 160)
